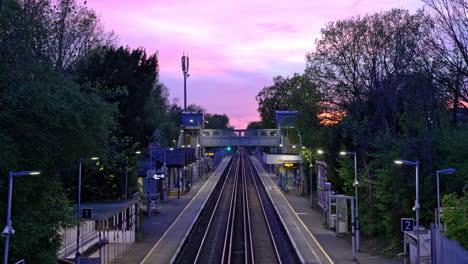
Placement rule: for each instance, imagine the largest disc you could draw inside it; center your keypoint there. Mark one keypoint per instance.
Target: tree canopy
(382, 85)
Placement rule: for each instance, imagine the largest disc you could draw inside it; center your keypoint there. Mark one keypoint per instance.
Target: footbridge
(239, 137)
(194, 134)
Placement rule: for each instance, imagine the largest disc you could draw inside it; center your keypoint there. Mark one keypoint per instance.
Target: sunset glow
(235, 47)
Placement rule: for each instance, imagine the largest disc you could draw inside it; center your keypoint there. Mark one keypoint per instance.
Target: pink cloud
(235, 47)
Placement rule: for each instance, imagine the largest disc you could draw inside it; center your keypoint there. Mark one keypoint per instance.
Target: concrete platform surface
(336, 247)
(306, 245)
(167, 247)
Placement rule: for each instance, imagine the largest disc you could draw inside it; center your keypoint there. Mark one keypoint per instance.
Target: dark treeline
(67, 91)
(390, 85)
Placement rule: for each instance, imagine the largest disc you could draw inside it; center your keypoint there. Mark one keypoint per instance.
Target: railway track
(239, 223)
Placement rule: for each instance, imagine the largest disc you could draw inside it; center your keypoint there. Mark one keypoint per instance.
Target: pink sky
(236, 47)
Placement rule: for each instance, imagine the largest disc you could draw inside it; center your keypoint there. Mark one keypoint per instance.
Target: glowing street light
(355, 184)
(446, 171)
(8, 230)
(416, 202)
(77, 254)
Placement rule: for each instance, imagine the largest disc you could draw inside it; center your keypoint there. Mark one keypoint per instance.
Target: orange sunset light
(331, 118)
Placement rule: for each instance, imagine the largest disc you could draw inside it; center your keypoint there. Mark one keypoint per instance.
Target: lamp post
(77, 254)
(310, 176)
(355, 184)
(8, 230)
(416, 202)
(446, 171)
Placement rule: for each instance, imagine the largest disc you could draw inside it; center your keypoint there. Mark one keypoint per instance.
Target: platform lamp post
(446, 171)
(416, 202)
(355, 184)
(310, 176)
(8, 230)
(77, 254)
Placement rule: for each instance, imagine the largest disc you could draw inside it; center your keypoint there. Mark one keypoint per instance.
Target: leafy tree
(74, 30)
(454, 216)
(256, 125)
(216, 121)
(129, 78)
(446, 50)
(371, 74)
(196, 108)
(46, 123)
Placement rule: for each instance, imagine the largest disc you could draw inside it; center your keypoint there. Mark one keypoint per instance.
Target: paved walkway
(155, 226)
(337, 247)
(165, 250)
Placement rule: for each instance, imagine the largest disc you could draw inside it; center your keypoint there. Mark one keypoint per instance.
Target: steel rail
(264, 214)
(197, 258)
(248, 245)
(230, 227)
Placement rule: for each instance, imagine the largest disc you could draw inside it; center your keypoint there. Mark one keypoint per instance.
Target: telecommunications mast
(185, 69)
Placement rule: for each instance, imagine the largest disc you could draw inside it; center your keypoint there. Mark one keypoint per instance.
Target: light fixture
(138, 152)
(447, 171)
(405, 162)
(320, 151)
(94, 158)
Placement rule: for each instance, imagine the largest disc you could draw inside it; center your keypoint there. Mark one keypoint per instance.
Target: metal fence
(445, 250)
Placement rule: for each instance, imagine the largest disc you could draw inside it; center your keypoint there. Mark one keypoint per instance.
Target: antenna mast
(185, 69)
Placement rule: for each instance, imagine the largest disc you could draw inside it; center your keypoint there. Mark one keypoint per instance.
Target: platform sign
(407, 224)
(86, 213)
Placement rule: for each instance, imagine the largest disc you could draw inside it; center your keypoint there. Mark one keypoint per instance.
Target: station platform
(311, 237)
(167, 247)
(306, 245)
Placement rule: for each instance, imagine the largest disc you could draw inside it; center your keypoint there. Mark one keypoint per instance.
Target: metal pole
(311, 182)
(100, 240)
(438, 201)
(126, 181)
(77, 255)
(148, 181)
(417, 210)
(357, 203)
(185, 91)
(8, 224)
(353, 234)
(108, 241)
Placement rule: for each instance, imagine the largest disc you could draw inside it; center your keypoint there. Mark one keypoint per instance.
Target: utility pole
(185, 69)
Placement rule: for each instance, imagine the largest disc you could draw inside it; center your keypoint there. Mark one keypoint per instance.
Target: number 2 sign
(407, 224)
